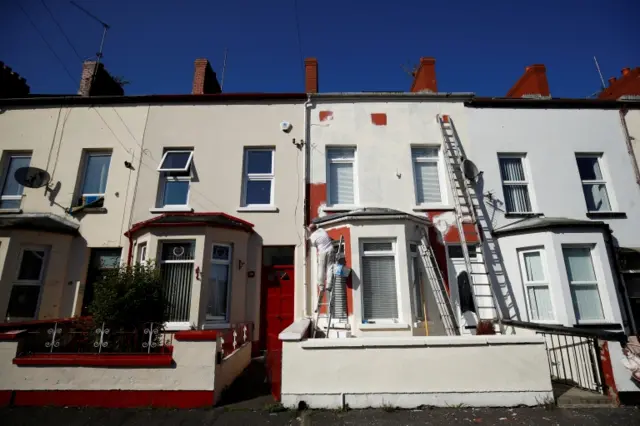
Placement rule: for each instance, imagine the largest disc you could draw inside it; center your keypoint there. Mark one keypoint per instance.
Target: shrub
(485, 327)
(128, 296)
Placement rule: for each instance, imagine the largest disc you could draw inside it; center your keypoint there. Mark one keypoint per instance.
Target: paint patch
(326, 115)
(379, 119)
(317, 199)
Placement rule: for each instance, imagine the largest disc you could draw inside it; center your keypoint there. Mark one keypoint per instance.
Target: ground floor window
(379, 285)
(583, 282)
(219, 282)
(176, 268)
(26, 290)
(536, 284)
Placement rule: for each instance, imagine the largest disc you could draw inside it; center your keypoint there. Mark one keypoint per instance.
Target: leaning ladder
(483, 293)
(434, 276)
(328, 292)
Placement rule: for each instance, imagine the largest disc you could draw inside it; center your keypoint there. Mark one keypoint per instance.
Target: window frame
(526, 283)
(522, 156)
(184, 169)
(141, 252)
(258, 177)
(353, 161)
(30, 283)
(439, 161)
(175, 175)
(178, 325)
(603, 181)
(393, 252)
(6, 164)
(85, 165)
(414, 268)
(596, 283)
(229, 263)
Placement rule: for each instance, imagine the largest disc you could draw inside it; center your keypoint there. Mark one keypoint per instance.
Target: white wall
(550, 138)
(231, 367)
(409, 372)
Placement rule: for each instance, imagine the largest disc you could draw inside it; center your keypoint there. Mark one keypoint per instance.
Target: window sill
(169, 209)
(10, 211)
(522, 215)
(597, 325)
(92, 210)
(95, 360)
(178, 326)
(384, 326)
(216, 326)
(258, 209)
(340, 208)
(606, 215)
(427, 207)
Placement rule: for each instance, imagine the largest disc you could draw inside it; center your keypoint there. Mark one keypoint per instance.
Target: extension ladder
(327, 293)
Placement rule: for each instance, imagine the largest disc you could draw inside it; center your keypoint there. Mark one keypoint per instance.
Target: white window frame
(528, 284)
(174, 175)
(414, 267)
(393, 252)
(229, 263)
(141, 252)
(439, 161)
(87, 154)
(591, 248)
(6, 163)
(353, 161)
(184, 169)
(31, 283)
(602, 181)
(247, 177)
(526, 182)
(179, 325)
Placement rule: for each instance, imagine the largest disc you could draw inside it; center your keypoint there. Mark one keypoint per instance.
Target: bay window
(583, 283)
(379, 284)
(219, 283)
(536, 285)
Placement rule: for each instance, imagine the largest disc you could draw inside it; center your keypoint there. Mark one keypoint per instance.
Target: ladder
(328, 292)
(465, 213)
(434, 276)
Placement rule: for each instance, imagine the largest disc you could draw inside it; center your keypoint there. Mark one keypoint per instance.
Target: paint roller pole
(424, 305)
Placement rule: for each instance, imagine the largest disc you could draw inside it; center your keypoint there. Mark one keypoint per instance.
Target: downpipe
(305, 245)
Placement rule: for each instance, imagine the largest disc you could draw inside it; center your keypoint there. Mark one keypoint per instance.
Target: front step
(571, 397)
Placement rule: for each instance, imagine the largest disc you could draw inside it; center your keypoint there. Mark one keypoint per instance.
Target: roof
(214, 219)
(47, 222)
(153, 99)
(553, 103)
(542, 223)
(371, 213)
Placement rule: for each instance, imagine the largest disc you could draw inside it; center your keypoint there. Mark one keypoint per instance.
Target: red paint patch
(11, 335)
(196, 335)
(92, 360)
(5, 398)
(379, 119)
(326, 115)
(335, 235)
(317, 197)
(607, 371)
(115, 398)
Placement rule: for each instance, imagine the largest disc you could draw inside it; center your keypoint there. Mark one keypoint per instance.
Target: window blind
(379, 287)
(341, 183)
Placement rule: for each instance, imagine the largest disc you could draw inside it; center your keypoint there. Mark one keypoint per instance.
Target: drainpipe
(305, 160)
(627, 137)
(130, 255)
(622, 288)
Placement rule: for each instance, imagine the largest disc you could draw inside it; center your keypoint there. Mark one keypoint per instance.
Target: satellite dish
(32, 177)
(470, 170)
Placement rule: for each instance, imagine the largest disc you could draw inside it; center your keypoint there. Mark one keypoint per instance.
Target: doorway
(101, 260)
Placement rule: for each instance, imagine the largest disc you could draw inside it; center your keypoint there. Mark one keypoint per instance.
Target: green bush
(128, 296)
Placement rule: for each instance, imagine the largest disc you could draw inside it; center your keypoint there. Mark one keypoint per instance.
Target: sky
(480, 46)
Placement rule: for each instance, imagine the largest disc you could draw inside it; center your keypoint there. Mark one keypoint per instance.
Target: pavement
(271, 415)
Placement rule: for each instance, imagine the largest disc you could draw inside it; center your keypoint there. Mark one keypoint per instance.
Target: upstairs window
(341, 176)
(426, 174)
(94, 177)
(593, 184)
(259, 175)
(11, 196)
(175, 177)
(515, 184)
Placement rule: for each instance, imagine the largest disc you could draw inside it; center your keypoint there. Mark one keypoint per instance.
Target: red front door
(278, 283)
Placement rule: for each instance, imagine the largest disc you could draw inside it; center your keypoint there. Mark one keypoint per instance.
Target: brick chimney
(533, 83)
(11, 84)
(627, 84)
(311, 75)
(205, 81)
(96, 81)
(424, 78)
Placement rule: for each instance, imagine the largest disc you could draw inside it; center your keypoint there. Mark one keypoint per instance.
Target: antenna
(599, 73)
(105, 27)
(224, 67)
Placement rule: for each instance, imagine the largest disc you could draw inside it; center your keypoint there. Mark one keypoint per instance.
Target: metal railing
(234, 337)
(573, 353)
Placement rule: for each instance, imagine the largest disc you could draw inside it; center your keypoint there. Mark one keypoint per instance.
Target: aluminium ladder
(328, 292)
(434, 276)
(483, 294)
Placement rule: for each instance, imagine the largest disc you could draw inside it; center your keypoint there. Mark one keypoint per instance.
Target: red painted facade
(379, 119)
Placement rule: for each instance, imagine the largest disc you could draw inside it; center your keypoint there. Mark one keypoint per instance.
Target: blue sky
(479, 46)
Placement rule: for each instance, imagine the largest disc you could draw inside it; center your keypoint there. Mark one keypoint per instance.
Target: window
(514, 184)
(583, 282)
(417, 286)
(426, 174)
(219, 282)
(341, 176)
(593, 183)
(94, 176)
(175, 179)
(141, 253)
(176, 269)
(455, 251)
(536, 285)
(379, 287)
(258, 177)
(11, 197)
(26, 289)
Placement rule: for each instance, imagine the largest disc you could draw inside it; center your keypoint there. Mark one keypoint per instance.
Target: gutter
(451, 96)
(553, 103)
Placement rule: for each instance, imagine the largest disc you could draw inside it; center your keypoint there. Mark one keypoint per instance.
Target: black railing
(90, 338)
(573, 353)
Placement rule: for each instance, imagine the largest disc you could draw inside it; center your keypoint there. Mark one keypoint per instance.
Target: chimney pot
(611, 80)
(626, 71)
(311, 83)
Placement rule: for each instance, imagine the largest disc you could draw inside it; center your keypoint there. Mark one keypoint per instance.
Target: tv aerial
(105, 27)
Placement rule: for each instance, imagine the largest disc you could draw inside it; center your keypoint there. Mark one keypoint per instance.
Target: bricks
(205, 81)
(311, 75)
(379, 119)
(532, 82)
(628, 83)
(11, 84)
(96, 81)
(424, 78)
